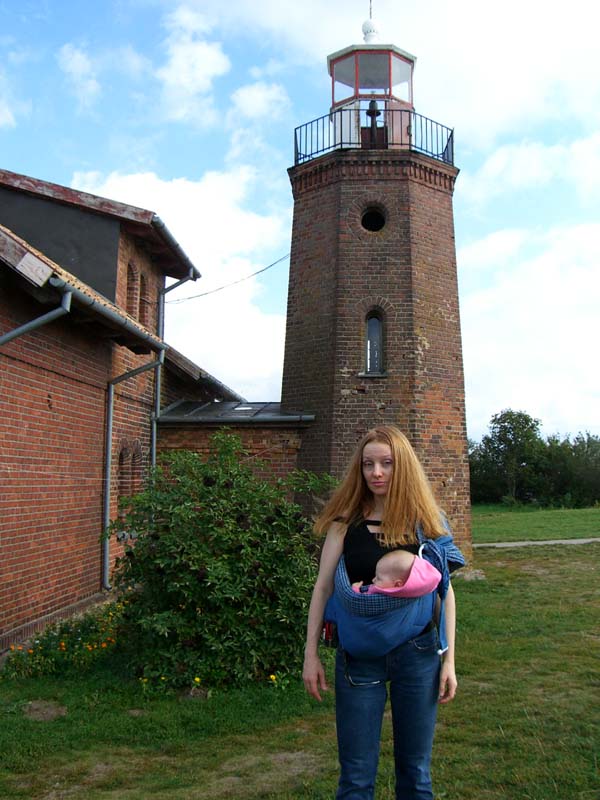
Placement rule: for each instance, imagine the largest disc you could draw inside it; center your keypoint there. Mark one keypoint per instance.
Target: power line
(234, 283)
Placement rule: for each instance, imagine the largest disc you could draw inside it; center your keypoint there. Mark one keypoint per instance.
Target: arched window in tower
(374, 342)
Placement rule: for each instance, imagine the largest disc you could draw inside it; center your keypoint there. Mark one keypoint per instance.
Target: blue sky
(188, 108)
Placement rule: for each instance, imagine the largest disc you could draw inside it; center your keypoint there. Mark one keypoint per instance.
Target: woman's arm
(448, 682)
(313, 673)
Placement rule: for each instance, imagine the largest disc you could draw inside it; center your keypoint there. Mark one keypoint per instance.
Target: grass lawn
(524, 725)
(497, 523)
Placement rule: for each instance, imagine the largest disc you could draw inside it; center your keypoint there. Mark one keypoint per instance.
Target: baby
(401, 574)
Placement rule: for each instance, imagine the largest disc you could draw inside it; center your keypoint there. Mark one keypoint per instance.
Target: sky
(188, 109)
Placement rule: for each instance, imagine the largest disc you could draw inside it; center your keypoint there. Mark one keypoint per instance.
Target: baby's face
(385, 580)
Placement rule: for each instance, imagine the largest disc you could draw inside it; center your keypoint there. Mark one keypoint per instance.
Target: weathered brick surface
(52, 397)
(53, 394)
(339, 271)
(272, 451)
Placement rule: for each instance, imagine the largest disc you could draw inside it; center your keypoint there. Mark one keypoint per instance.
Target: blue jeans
(412, 671)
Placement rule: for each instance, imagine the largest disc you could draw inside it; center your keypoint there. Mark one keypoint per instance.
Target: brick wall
(276, 447)
(174, 388)
(339, 272)
(53, 389)
(52, 396)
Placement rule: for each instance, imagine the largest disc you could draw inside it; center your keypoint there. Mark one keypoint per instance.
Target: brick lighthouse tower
(373, 328)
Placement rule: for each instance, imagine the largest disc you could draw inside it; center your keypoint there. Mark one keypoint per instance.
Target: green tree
(586, 469)
(217, 583)
(512, 451)
(486, 486)
(557, 471)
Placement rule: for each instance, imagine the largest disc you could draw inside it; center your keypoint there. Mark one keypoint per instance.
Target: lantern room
(372, 106)
(371, 71)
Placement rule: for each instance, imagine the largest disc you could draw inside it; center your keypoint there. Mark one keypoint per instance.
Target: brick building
(81, 293)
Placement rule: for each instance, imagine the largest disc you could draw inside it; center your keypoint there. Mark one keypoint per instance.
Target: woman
(383, 504)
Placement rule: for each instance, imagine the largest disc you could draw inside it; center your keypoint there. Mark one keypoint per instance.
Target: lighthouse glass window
(374, 74)
(374, 343)
(401, 78)
(343, 79)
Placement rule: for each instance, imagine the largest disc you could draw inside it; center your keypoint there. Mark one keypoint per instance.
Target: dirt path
(533, 543)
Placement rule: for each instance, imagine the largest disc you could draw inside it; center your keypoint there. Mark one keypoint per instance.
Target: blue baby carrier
(371, 625)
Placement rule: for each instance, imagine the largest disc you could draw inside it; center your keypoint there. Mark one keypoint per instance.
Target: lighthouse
(373, 326)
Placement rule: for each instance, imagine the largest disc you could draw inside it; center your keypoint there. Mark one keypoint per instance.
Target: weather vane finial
(370, 9)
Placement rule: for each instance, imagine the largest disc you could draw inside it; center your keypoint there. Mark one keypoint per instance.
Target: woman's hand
(313, 673)
(313, 676)
(448, 682)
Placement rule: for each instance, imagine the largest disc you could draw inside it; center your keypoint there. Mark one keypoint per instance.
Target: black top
(362, 551)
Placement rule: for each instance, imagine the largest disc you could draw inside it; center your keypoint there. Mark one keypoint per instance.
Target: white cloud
(80, 73)
(530, 337)
(10, 107)
(268, 70)
(191, 67)
(128, 61)
(260, 101)
(534, 165)
(493, 251)
(7, 115)
(226, 333)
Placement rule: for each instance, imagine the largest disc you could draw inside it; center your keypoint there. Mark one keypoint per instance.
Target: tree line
(514, 464)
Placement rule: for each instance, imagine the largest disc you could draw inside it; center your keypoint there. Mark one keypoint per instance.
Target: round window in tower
(373, 219)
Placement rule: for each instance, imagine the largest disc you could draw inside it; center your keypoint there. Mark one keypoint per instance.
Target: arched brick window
(123, 483)
(374, 363)
(136, 467)
(145, 309)
(133, 291)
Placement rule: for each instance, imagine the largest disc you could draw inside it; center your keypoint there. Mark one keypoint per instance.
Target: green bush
(217, 582)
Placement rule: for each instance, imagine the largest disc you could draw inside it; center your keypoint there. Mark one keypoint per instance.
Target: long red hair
(409, 502)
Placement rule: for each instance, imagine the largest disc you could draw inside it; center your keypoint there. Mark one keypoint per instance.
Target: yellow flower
(273, 678)
(196, 680)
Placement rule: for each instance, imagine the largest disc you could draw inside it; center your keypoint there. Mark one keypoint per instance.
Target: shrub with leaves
(217, 582)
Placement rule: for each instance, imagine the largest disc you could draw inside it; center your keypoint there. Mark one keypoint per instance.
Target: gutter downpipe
(110, 400)
(65, 307)
(192, 275)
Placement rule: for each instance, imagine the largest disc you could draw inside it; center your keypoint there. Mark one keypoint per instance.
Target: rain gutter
(192, 275)
(174, 245)
(268, 418)
(64, 308)
(108, 313)
(110, 403)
